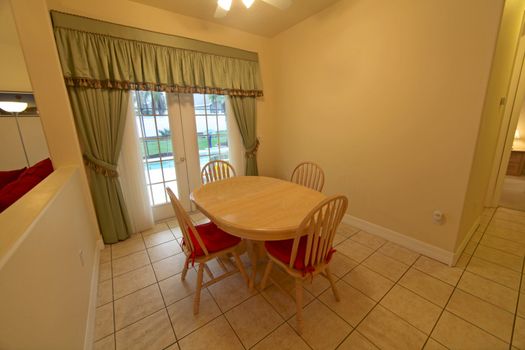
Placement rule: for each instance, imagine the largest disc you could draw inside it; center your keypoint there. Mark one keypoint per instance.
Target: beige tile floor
(392, 298)
(513, 192)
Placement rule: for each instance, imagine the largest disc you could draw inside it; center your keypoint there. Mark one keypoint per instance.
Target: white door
(179, 133)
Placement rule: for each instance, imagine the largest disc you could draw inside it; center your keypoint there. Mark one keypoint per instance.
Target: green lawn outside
(166, 146)
(202, 140)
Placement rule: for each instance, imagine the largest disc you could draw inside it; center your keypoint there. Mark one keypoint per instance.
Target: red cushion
(213, 238)
(11, 192)
(41, 169)
(9, 176)
(282, 250)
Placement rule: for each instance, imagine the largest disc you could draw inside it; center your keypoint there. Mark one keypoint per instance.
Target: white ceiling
(261, 18)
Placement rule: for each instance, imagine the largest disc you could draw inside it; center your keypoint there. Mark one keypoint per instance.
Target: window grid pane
(156, 147)
(212, 129)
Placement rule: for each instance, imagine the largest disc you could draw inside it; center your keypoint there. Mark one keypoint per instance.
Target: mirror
(22, 140)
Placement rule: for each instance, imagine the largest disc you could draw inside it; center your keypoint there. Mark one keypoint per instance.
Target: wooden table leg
(253, 249)
(256, 252)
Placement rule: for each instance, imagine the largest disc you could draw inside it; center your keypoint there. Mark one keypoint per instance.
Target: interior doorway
(507, 184)
(513, 186)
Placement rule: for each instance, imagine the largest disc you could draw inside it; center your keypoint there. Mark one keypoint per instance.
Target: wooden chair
(309, 175)
(203, 243)
(310, 252)
(216, 170)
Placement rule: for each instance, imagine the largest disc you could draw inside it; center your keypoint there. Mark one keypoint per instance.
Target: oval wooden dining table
(256, 208)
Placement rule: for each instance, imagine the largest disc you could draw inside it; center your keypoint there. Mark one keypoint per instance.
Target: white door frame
(185, 152)
(191, 147)
(511, 114)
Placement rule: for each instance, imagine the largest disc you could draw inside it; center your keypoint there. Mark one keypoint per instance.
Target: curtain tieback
(253, 152)
(100, 167)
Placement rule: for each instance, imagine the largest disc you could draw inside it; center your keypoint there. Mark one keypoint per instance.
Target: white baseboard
(90, 322)
(418, 246)
(463, 244)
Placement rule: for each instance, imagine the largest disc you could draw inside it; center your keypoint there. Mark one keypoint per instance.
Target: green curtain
(100, 116)
(102, 61)
(245, 113)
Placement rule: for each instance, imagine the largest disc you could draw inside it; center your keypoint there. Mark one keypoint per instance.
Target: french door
(178, 134)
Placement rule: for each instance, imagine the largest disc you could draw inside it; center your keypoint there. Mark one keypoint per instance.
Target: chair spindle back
(216, 170)
(309, 175)
(320, 226)
(186, 226)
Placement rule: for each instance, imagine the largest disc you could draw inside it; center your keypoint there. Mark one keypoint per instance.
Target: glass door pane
(212, 127)
(152, 119)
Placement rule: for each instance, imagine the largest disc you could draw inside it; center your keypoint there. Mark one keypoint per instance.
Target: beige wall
(150, 18)
(387, 97)
(492, 116)
(37, 42)
(45, 284)
(13, 71)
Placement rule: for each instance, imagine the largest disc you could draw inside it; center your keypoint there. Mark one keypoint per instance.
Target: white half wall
(48, 267)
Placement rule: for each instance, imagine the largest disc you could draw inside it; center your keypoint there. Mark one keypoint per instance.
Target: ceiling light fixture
(248, 3)
(13, 107)
(225, 4)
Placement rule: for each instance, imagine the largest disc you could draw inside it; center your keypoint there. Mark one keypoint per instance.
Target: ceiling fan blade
(280, 4)
(220, 12)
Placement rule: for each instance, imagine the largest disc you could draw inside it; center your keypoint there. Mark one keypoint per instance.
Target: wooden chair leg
(240, 266)
(197, 298)
(331, 280)
(299, 304)
(221, 263)
(208, 271)
(185, 269)
(266, 273)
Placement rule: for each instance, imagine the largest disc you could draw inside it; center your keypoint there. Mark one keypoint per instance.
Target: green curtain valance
(97, 60)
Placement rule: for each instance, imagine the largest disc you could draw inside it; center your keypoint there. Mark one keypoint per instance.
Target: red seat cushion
(11, 192)
(9, 176)
(213, 238)
(282, 250)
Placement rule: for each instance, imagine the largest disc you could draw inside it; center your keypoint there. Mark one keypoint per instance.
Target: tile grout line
(223, 314)
(314, 297)
(285, 320)
(160, 291)
(501, 250)
(379, 302)
(492, 262)
(142, 288)
(113, 299)
(519, 285)
(459, 279)
(376, 302)
(517, 305)
(322, 292)
(114, 334)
